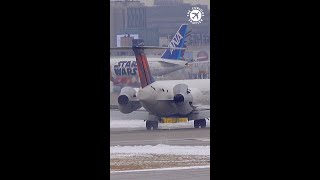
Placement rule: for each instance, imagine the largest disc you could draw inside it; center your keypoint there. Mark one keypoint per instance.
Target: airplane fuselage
(157, 98)
(127, 66)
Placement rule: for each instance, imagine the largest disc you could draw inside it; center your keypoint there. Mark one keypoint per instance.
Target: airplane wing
(165, 63)
(199, 113)
(140, 114)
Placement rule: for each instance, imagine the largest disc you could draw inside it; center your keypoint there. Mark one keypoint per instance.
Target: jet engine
(127, 100)
(183, 99)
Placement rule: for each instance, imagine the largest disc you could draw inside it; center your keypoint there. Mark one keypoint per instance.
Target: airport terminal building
(156, 25)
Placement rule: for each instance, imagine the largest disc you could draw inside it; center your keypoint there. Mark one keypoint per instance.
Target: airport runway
(125, 132)
(183, 137)
(176, 174)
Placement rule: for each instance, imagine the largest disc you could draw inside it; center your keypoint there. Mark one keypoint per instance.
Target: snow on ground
(127, 123)
(160, 149)
(142, 124)
(120, 120)
(165, 157)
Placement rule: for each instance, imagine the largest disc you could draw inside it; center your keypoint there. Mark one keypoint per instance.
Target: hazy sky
(205, 2)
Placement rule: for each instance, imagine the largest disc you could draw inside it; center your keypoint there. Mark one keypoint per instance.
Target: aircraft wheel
(148, 125)
(155, 124)
(203, 123)
(151, 125)
(196, 123)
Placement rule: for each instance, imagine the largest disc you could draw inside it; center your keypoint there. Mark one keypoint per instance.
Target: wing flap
(199, 114)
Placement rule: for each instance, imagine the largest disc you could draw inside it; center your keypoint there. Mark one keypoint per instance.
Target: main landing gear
(154, 124)
(151, 125)
(200, 123)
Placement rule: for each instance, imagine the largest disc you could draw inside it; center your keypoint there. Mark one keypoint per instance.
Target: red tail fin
(142, 63)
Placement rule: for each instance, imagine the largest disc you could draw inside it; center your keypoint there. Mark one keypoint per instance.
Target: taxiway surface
(176, 174)
(183, 137)
(133, 133)
(124, 132)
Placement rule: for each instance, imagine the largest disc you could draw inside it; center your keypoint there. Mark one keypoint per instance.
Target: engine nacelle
(127, 100)
(183, 99)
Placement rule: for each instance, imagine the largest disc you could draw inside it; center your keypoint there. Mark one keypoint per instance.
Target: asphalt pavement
(176, 174)
(136, 134)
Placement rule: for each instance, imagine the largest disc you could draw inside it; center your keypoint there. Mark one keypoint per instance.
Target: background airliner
(163, 99)
(124, 69)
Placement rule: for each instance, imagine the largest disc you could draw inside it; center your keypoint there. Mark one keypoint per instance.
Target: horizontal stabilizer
(181, 63)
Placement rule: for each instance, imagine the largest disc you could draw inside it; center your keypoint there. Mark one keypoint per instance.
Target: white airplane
(162, 100)
(124, 69)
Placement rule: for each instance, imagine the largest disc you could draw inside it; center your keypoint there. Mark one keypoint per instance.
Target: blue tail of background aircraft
(178, 40)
